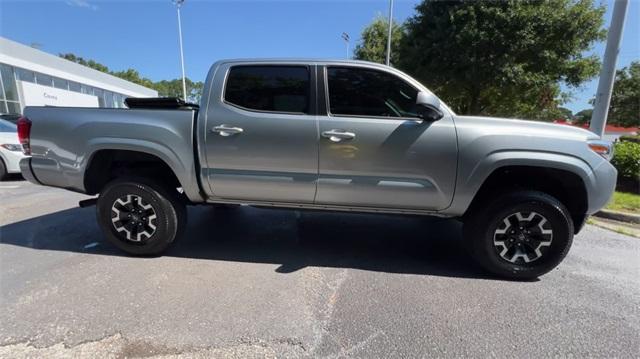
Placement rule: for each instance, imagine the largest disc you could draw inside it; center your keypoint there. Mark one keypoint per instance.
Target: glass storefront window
(121, 101)
(45, 80)
(74, 86)
(100, 94)
(13, 107)
(86, 89)
(3, 107)
(9, 82)
(25, 75)
(60, 83)
(108, 99)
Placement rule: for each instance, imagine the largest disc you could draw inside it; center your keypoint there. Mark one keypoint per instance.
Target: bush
(626, 159)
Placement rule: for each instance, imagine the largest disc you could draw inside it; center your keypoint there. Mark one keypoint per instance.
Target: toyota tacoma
(330, 135)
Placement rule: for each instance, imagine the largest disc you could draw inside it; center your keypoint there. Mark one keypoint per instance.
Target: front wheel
(140, 216)
(519, 235)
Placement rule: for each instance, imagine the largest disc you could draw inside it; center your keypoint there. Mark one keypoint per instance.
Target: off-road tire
(163, 219)
(493, 228)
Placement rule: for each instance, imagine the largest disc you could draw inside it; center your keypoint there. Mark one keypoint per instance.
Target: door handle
(226, 130)
(338, 135)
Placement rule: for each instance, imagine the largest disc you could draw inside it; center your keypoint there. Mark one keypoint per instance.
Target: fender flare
(184, 172)
(467, 186)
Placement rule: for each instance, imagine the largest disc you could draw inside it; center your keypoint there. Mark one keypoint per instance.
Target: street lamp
(178, 4)
(608, 71)
(389, 33)
(346, 38)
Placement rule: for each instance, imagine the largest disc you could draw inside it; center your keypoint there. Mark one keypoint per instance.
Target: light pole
(178, 4)
(389, 33)
(608, 71)
(346, 38)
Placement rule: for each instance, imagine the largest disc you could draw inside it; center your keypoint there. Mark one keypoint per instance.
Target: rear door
(375, 151)
(262, 134)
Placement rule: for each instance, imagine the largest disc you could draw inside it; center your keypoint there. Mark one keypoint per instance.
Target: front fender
(470, 181)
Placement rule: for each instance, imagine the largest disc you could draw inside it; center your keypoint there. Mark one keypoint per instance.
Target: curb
(619, 216)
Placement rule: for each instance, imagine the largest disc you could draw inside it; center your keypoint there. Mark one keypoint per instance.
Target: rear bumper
(27, 171)
(11, 160)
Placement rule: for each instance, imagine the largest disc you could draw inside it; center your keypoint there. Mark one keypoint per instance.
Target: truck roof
(303, 60)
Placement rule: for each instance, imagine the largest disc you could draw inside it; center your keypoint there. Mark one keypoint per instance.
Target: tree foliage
(373, 44)
(173, 88)
(503, 58)
(165, 88)
(583, 117)
(624, 109)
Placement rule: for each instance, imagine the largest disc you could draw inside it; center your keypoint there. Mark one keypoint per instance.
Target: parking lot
(249, 282)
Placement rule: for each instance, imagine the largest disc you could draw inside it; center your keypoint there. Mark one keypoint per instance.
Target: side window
(269, 88)
(364, 92)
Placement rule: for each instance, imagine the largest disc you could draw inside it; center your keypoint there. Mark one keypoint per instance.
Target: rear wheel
(519, 235)
(140, 216)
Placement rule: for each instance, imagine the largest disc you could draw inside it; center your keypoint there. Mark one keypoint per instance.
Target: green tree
(583, 117)
(165, 88)
(624, 109)
(132, 75)
(564, 113)
(503, 58)
(79, 60)
(373, 45)
(173, 88)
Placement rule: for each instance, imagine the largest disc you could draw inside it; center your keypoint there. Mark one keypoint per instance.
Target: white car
(10, 149)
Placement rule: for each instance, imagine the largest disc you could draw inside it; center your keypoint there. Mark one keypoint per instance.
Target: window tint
(269, 88)
(364, 92)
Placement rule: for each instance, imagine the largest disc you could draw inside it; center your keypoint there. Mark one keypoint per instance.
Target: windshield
(6, 126)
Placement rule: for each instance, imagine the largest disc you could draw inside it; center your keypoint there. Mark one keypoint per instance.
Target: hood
(534, 128)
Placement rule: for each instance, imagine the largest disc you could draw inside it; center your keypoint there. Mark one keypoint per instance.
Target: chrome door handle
(338, 135)
(226, 130)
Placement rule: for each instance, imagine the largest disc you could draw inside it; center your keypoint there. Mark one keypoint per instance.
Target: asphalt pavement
(249, 282)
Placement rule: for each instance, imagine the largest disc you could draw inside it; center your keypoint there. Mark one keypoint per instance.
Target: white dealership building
(30, 77)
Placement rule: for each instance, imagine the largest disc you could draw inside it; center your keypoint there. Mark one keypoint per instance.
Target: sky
(142, 34)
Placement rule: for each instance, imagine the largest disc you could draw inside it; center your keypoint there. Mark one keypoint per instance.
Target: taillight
(24, 131)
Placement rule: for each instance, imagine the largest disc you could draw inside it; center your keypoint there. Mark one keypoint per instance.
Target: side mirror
(428, 107)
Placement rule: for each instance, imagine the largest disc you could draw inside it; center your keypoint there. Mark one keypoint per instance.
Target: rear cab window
(269, 88)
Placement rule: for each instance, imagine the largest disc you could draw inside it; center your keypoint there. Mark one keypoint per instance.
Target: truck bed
(64, 140)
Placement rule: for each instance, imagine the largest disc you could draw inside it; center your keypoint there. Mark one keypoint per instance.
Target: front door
(261, 141)
(374, 150)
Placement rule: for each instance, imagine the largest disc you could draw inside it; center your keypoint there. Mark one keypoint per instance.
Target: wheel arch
(160, 160)
(565, 185)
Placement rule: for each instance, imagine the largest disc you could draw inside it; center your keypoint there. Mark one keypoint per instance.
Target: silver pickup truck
(332, 135)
